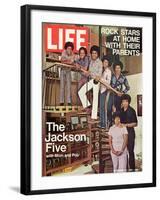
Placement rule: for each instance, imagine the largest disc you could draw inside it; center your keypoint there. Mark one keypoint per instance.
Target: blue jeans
(110, 104)
(103, 109)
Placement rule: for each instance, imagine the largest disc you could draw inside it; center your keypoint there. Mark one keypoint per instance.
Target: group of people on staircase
(115, 112)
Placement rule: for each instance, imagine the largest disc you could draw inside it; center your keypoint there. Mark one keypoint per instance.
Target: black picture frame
(26, 98)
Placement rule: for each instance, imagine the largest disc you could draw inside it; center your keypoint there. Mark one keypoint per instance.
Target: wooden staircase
(105, 161)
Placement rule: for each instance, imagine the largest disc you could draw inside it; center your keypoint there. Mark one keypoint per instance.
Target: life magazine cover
(91, 99)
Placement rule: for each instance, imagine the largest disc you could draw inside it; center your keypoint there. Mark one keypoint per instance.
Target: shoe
(131, 170)
(61, 104)
(87, 110)
(69, 104)
(102, 127)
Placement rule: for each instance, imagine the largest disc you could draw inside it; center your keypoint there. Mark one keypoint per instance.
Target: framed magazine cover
(84, 76)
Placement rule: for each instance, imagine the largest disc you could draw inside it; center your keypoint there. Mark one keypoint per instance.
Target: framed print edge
(154, 99)
(25, 182)
(25, 152)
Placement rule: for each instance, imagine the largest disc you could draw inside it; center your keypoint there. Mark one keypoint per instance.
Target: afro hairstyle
(105, 57)
(95, 48)
(126, 97)
(117, 63)
(69, 44)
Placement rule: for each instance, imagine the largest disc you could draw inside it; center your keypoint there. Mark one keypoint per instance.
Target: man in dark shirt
(129, 120)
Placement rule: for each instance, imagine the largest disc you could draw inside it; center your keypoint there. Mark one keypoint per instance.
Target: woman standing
(118, 139)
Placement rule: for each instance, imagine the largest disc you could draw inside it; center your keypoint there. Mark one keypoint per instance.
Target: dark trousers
(103, 110)
(116, 101)
(131, 143)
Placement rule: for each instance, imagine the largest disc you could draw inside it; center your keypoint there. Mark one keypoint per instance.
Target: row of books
(76, 155)
(56, 162)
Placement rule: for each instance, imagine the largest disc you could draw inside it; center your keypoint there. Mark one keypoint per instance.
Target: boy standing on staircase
(95, 70)
(120, 83)
(106, 76)
(67, 57)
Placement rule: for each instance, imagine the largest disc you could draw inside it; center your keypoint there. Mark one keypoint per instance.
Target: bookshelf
(80, 151)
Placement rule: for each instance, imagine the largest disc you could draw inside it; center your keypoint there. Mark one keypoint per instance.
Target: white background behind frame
(10, 182)
(39, 182)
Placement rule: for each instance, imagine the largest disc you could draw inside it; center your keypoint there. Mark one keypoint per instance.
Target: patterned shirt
(84, 63)
(121, 84)
(95, 67)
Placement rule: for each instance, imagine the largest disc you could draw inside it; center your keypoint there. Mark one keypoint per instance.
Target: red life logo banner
(57, 35)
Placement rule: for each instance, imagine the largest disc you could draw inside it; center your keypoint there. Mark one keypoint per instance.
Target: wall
(135, 82)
